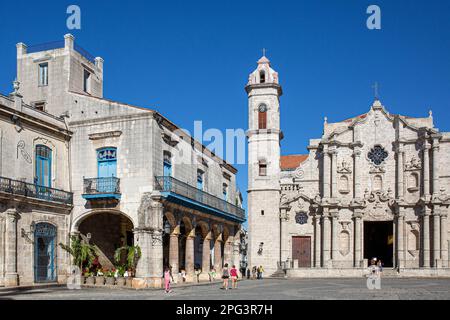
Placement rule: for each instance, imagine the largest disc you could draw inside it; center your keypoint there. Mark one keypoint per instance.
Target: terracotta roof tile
(292, 162)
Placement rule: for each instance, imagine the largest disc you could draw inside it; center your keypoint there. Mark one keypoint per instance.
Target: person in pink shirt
(234, 277)
(167, 276)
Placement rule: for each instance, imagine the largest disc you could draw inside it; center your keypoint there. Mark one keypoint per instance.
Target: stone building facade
(372, 186)
(35, 202)
(136, 177)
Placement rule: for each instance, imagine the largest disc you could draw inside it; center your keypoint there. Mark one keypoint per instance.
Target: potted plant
(100, 277)
(83, 254)
(110, 279)
(120, 280)
(89, 276)
(132, 255)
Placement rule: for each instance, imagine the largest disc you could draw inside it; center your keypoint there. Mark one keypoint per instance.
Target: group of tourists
(227, 274)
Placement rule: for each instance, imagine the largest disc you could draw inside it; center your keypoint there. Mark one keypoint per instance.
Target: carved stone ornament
(344, 167)
(379, 205)
(413, 164)
(299, 173)
(23, 152)
(377, 169)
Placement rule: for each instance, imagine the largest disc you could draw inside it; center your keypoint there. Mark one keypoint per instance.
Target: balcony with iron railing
(34, 191)
(101, 188)
(181, 192)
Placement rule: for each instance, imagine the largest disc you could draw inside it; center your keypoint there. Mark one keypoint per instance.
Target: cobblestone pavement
(270, 289)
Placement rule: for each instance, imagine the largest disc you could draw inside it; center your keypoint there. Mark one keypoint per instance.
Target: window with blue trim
(43, 166)
(167, 164)
(107, 162)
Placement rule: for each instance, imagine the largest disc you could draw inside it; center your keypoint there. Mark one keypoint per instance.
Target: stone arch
(109, 230)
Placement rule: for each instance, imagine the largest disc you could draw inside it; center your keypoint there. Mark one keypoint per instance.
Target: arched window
(167, 164)
(262, 168)
(377, 183)
(43, 166)
(262, 116)
(262, 77)
(107, 162)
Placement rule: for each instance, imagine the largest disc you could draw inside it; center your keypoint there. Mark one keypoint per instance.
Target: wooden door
(301, 251)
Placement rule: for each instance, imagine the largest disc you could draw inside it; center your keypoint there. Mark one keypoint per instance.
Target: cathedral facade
(373, 186)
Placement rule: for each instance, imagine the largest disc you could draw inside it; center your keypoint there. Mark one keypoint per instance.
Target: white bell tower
(264, 137)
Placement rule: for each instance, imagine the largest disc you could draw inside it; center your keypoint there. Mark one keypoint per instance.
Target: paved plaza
(269, 289)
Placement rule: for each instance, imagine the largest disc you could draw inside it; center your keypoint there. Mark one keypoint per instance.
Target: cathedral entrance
(379, 241)
(301, 251)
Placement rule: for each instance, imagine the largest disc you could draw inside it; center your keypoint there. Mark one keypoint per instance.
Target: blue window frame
(107, 162)
(167, 164)
(225, 192)
(43, 166)
(44, 253)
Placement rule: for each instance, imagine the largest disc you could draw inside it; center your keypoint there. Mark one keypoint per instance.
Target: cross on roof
(376, 88)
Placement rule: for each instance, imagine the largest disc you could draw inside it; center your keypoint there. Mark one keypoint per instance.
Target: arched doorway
(108, 232)
(44, 253)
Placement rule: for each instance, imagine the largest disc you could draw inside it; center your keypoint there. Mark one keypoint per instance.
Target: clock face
(262, 108)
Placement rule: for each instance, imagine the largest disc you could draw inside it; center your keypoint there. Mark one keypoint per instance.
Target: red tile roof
(292, 162)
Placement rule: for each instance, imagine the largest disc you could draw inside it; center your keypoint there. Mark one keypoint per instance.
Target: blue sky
(190, 60)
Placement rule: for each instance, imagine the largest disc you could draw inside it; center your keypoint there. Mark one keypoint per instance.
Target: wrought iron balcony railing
(101, 188)
(35, 191)
(170, 184)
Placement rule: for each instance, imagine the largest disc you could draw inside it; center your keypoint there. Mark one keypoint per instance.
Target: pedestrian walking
(254, 273)
(212, 274)
(248, 273)
(225, 276)
(167, 278)
(260, 272)
(234, 277)
(380, 267)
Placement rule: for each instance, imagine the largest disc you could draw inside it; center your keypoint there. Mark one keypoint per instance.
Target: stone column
(444, 237)
(400, 185)
(11, 275)
(400, 238)
(206, 255)
(436, 185)
(358, 193)
(317, 241)
(426, 170)
(326, 239)
(426, 237)
(174, 259)
(189, 257)
(218, 254)
(357, 218)
(334, 188)
(334, 235)
(326, 172)
(227, 251)
(148, 236)
(436, 237)
(284, 251)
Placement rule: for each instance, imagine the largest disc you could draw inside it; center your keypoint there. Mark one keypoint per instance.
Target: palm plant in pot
(83, 254)
(131, 255)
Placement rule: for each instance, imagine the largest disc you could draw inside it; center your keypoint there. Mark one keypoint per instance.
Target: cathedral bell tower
(264, 137)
